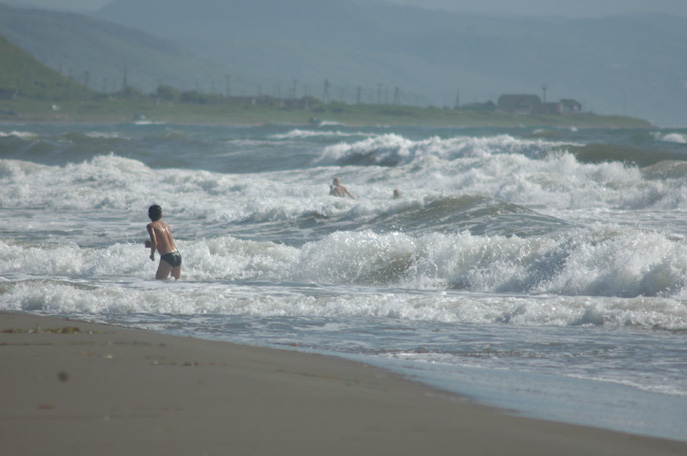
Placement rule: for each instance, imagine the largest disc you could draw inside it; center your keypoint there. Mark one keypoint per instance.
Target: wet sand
(74, 388)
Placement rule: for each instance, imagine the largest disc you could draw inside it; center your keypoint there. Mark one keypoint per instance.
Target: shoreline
(296, 124)
(72, 387)
(246, 113)
(233, 124)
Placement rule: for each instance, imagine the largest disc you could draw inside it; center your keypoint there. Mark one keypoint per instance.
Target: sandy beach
(74, 388)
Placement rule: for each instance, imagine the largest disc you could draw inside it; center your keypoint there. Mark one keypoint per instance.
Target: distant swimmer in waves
(397, 194)
(336, 189)
(161, 239)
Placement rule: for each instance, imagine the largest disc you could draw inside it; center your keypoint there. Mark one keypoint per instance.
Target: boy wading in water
(161, 240)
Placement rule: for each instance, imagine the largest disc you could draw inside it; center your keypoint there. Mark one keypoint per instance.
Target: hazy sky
(570, 8)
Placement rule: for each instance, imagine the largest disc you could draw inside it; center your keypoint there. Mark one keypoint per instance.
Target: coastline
(114, 111)
(82, 388)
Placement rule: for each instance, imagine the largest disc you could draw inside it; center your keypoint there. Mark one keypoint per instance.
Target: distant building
(518, 104)
(547, 108)
(531, 104)
(570, 106)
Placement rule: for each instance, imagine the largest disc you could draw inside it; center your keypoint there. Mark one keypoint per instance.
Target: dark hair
(155, 212)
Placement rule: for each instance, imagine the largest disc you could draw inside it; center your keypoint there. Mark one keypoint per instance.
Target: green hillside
(112, 55)
(21, 75)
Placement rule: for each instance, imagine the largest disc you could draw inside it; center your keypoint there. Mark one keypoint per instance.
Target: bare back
(339, 190)
(161, 237)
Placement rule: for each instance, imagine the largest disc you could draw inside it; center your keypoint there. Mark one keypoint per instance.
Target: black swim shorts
(172, 258)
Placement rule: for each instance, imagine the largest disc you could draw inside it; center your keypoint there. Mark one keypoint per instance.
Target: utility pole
(69, 82)
(544, 88)
(325, 95)
(397, 96)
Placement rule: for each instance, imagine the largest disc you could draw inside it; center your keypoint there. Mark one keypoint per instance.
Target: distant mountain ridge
(632, 65)
(111, 54)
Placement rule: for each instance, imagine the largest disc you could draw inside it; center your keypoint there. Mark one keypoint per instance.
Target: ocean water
(539, 270)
